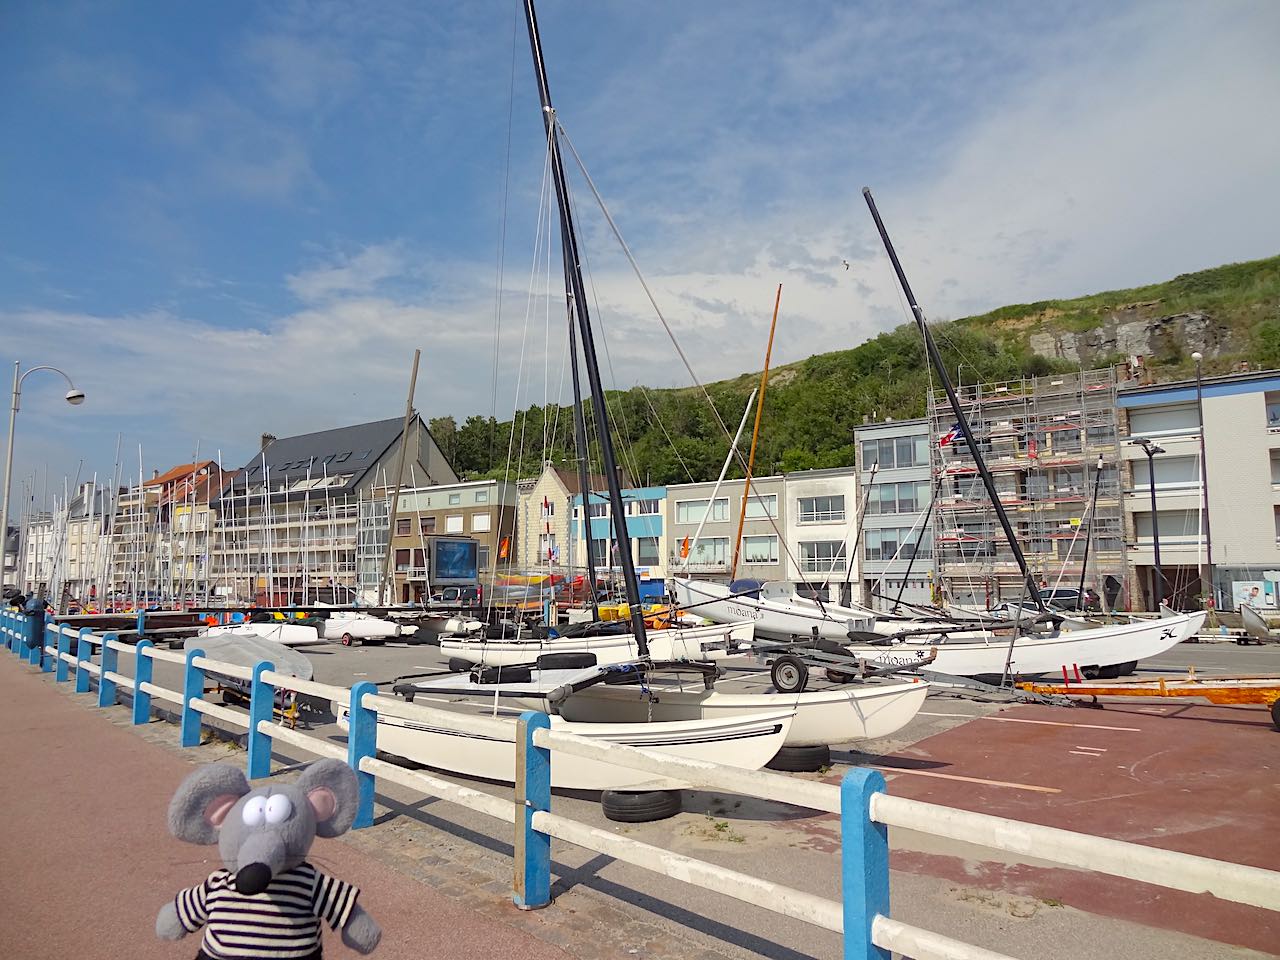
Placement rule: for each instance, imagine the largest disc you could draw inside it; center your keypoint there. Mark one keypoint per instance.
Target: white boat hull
(841, 714)
(747, 742)
(1035, 655)
(688, 643)
(359, 627)
(772, 618)
(279, 631)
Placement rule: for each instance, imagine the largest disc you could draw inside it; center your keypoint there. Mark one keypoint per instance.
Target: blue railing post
(6, 628)
(109, 662)
(533, 793)
(192, 689)
(84, 653)
(47, 663)
(362, 741)
(12, 628)
(261, 699)
(864, 854)
(61, 669)
(142, 665)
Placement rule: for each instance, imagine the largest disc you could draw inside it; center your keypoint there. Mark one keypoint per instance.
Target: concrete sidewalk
(88, 860)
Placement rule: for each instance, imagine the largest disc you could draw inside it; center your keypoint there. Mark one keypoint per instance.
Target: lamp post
(1204, 487)
(74, 396)
(1151, 449)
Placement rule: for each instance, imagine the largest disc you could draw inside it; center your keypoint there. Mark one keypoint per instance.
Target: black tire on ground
(566, 661)
(1275, 713)
(375, 642)
(1128, 669)
(839, 676)
(789, 674)
(509, 674)
(800, 759)
(1110, 672)
(639, 806)
(458, 665)
(347, 640)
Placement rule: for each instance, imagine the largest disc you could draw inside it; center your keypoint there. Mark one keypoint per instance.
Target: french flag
(950, 436)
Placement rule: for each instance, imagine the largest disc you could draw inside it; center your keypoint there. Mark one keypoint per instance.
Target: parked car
(458, 596)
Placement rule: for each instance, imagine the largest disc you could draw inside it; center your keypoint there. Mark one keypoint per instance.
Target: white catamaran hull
(688, 643)
(359, 626)
(289, 634)
(747, 742)
(776, 618)
(822, 717)
(1034, 655)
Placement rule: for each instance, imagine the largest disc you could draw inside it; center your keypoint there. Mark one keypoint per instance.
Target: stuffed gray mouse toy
(268, 902)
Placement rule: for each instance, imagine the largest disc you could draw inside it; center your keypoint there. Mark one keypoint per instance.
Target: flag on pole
(504, 547)
(684, 548)
(950, 436)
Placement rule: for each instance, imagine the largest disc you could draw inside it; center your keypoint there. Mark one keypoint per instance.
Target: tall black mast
(935, 358)
(580, 432)
(579, 297)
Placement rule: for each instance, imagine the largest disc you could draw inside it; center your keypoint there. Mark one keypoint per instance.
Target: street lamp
(74, 396)
(1151, 449)
(1204, 487)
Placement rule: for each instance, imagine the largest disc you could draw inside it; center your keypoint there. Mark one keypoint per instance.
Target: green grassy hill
(1231, 313)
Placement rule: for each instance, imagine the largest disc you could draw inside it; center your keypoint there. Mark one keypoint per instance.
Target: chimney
(266, 441)
(154, 473)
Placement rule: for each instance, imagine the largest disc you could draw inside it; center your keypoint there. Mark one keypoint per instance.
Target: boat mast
(1088, 539)
(588, 340)
(936, 359)
(580, 430)
(755, 436)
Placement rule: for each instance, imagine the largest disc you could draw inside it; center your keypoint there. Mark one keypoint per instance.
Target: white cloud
(360, 273)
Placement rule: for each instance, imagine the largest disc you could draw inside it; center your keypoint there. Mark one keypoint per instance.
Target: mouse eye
(278, 808)
(254, 812)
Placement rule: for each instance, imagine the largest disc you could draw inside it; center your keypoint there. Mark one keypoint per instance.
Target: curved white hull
(776, 618)
(289, 634)
(360, 627)
(747, 742)
(688, 643)
(1032, 655)
(841, 714)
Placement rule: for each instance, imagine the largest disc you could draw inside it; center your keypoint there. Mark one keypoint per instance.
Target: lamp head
(1197, 356)
(75, 397)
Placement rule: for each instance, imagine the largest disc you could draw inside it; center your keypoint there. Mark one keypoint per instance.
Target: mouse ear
(203, 801)
(331, 788)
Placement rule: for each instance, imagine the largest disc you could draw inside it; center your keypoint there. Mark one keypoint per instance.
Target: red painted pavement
(1203, 780)
(86, 861)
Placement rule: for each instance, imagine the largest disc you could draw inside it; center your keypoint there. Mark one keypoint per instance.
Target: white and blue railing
(865, 809)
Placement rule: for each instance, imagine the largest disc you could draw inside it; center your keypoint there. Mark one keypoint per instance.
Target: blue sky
(224, 219)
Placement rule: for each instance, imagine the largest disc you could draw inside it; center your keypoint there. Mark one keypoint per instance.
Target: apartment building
(646, 531)
(895, 479)
(710, 554)
(1241, 527)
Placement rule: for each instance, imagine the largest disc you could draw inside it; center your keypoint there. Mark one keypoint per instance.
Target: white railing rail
(865, 809)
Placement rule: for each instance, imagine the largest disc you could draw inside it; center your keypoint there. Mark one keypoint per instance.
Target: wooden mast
(755, 436)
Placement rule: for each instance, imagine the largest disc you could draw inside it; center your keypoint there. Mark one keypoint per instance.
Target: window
(1172, 473)
(402, 561)
(1181, 420)
(453, 524)
(482, 496)
(822, 509)
(648, 508)
(909, 497)
(761, 505)
(760, 549)
(1273, 411)
(480, 523)
(822, 556)
(426, 525)
(600, 508)
(887, 542)
(548, 509)
(402, 528)
(1275, 466)
(710, 550)
(1175, 526)
(455, 499)
(482, 557)
(691, 511)
(600, 552)
(647, 550)
(895, 452)
(547, 550)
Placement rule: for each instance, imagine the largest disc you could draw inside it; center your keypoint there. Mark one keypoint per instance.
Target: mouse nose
(253, 878)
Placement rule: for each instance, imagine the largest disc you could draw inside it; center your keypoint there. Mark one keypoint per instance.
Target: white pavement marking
(1092, 749)
(952, 776)
(1083, 753)
(1047, 723)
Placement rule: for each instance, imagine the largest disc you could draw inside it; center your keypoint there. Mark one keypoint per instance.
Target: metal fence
(865, 809)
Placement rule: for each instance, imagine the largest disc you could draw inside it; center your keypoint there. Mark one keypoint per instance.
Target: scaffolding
(1042, 438)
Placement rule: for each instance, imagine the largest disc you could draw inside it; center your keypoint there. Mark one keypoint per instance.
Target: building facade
(1242, 455)
(895, 480)
(710, 555)
(484, 510)
(646, 532)
(821, 514)
(1047, 441)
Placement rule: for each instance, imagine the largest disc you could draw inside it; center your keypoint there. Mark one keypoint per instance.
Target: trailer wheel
(800, 759)
(789, 675)
(639, 806)
(839, 676)
(347, 640)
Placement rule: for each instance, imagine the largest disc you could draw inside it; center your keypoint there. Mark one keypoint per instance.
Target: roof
(1181, 391)
(343, 452)
(178, 472)
(569, 478)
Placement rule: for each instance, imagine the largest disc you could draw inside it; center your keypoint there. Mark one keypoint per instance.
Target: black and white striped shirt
(282, 921)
